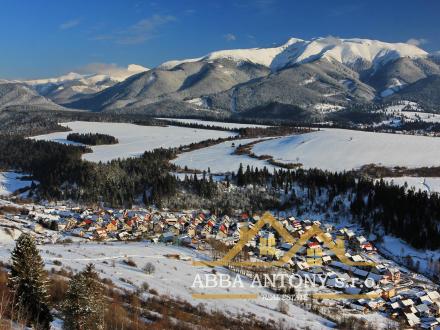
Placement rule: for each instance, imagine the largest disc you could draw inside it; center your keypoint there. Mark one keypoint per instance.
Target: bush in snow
(149, 268)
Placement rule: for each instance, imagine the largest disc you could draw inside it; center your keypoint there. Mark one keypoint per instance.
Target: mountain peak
(348, 51)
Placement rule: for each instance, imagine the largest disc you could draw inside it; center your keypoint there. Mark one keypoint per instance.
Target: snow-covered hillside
(409, 112)
(134, 140)
(108, 259)
(429, 185)
(338, 149)
(10, 182)
(14, 94)
(345, 51)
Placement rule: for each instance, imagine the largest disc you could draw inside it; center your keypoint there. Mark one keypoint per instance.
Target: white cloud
(230, 37)
(142, 31)
(417, 41)
(70, 24)
(111, 69)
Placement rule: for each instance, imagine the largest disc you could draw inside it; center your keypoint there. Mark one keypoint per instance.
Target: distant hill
(16, 95)
(73, 86)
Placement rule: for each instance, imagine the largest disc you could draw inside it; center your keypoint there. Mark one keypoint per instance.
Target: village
(383, 286)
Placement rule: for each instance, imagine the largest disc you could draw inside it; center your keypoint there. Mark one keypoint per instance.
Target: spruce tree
(240, 176)
(28, 281)
(83, 307)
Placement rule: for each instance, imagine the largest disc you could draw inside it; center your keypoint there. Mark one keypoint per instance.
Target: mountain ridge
(296, 51)
(319, 76)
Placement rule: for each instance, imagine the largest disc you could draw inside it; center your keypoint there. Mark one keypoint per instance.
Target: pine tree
(83, 307)
(28, 281)
(240, 176)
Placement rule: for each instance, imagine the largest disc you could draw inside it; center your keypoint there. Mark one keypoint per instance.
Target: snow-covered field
(339, 149)
(212, 123)
(424, 184)
(133, 139)
(172, 277)
(11, 182)
(219, 158)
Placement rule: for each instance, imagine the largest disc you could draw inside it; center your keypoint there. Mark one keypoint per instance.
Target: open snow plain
(134, 140)
(220, 158)
(339, 149)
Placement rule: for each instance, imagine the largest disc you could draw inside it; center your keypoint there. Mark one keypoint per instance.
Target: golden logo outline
(267, 218)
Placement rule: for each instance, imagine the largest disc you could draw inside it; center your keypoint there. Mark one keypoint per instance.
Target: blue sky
(48, 37)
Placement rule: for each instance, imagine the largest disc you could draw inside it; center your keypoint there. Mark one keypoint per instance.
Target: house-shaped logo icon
(315, 231)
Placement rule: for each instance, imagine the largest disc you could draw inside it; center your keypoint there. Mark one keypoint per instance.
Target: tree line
(62, 174)
(411, 215)
(92, 139)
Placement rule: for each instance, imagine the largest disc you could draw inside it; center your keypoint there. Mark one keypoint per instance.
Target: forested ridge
(411, 215)
(62, 174)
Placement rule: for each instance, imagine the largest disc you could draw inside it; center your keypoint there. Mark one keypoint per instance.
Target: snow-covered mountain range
(294, 51)
(297, 78)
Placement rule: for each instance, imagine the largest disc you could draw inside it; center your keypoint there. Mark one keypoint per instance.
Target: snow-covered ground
(213, 123)
(326, 107)
(424, 184)
(339, 149)
(181, 176)
(172, 277)
(424, 260)
(219, 158)
(408, 111)
(134, 140)
(10, 182)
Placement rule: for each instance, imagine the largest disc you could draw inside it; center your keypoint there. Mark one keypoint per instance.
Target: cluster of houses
(391, 287)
